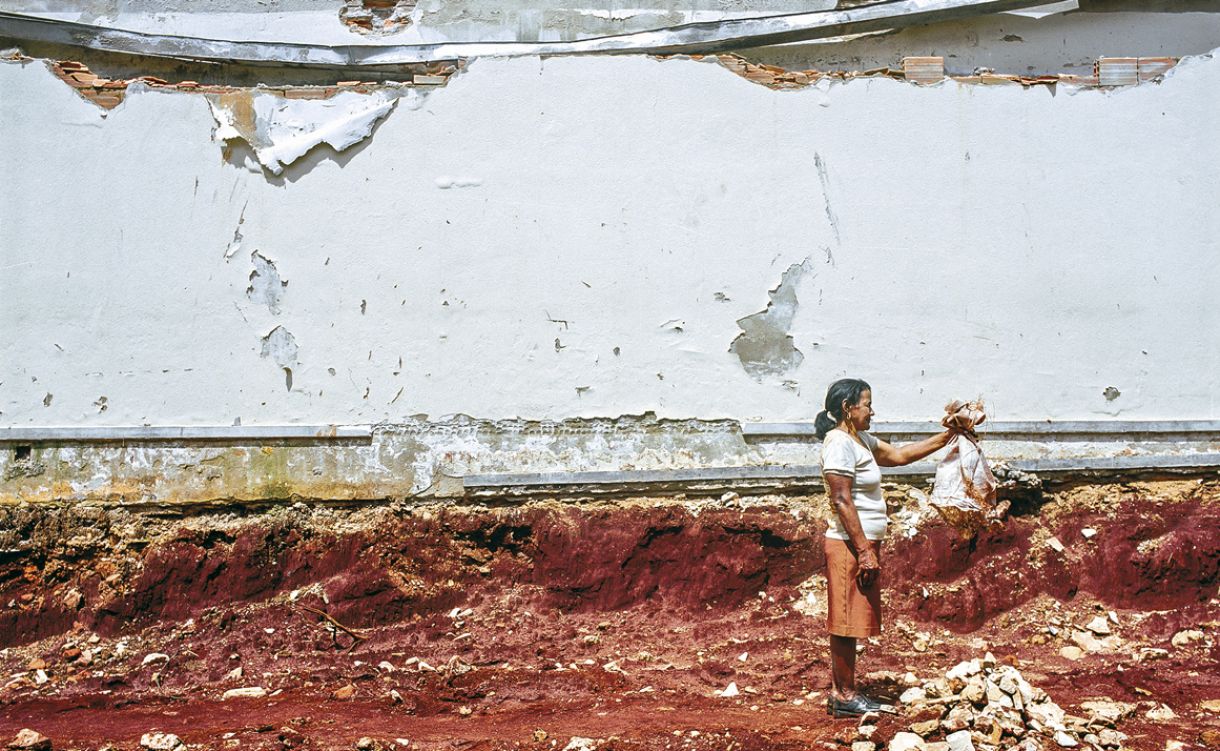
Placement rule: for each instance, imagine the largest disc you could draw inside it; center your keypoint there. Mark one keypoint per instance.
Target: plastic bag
(965, 489)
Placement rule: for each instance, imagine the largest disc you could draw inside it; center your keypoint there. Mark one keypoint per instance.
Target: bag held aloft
(965, 489)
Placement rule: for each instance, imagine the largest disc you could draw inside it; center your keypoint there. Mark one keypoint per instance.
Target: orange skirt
(850, 610)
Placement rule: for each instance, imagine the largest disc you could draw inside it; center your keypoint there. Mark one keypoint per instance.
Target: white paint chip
(281, 131)
(445, 182)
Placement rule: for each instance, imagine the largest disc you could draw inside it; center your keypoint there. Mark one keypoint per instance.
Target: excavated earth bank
(526, 626)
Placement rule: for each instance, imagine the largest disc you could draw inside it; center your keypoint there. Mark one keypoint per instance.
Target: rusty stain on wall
(764, 345)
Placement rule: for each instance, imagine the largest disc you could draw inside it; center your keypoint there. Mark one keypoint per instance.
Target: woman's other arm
(888, 455)
(866, 559)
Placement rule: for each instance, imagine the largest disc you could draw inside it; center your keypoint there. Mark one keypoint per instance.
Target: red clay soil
(527, 626)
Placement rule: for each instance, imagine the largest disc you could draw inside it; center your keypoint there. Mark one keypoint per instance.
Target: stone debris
(1161, 713)
(30, 740)
(1187, 637)
(578, 743)
(161, 742)
(984, 705)
(729, 691)
(1108, 712)
(1099, 625)
(960, 741)
(906, 742)
(248, 692)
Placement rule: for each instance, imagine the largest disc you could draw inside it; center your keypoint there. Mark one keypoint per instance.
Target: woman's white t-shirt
(843, 455)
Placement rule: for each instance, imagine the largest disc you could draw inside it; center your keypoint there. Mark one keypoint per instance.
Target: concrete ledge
(812, 473)
(213, 433)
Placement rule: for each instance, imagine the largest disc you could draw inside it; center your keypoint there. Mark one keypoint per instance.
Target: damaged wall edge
(712, 36)
(1130, 429)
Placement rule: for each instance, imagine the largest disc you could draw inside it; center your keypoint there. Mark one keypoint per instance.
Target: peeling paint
(266, 286)
(764, 345)
(281, 131)
(235, 243)
(281, 346)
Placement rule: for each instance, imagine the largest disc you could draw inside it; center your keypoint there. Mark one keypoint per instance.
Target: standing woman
(851, 468)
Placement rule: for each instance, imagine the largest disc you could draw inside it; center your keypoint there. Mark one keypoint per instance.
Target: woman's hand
(868, 567)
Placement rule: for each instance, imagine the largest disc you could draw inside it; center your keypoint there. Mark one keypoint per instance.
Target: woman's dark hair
(843, 390)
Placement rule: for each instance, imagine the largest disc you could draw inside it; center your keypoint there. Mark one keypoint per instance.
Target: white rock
(1175, 746)
(1088, 533)
(249, 692)
(385, 666)
(964, 670)
(234, 675)
(1065, 740)
(1189, 636)
(581, 744)
(960, 741)
(153, 657)
(1048, 713)
(906, 742)
(40, 677)
(1008, 684)
(1099, 625)
(1054, 544)
(402, 741)
(1161, 713)
(1110, 712)
(160, 741)
(729, 691)
(913, 695)
(743, 656)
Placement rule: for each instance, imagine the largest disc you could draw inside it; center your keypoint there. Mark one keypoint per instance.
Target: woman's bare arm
(866, 559)
(888, 455)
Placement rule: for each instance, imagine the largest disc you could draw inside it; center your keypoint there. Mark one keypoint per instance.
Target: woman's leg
(843, 666)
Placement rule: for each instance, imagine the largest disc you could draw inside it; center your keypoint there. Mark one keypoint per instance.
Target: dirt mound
(613, 620)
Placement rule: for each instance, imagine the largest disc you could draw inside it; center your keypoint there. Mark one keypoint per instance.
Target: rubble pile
(981, 705)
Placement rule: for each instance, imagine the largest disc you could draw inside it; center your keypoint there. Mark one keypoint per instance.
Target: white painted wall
(1030, 247)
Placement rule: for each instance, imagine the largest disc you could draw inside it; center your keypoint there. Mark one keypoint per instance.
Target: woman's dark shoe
(880, 706)
(854, 707)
